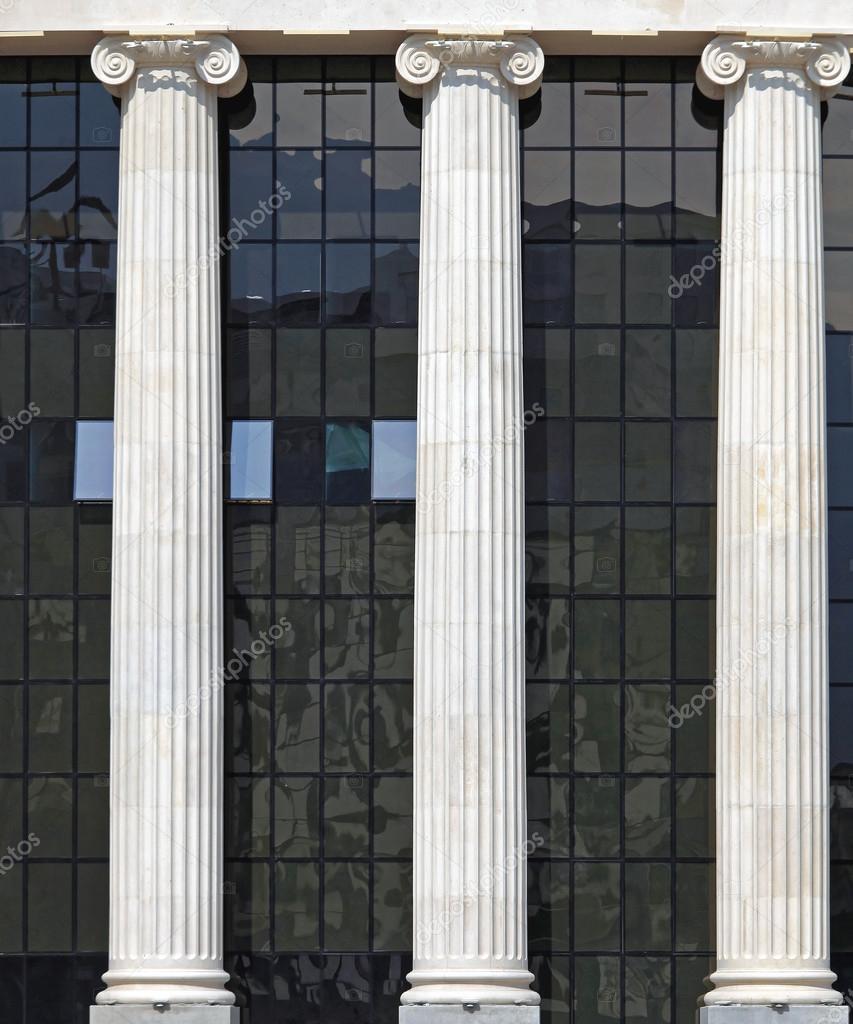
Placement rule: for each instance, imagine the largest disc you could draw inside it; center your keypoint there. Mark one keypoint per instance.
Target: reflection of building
(465, 733)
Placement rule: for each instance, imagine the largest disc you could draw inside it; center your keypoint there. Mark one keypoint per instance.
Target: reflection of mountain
(394, 299)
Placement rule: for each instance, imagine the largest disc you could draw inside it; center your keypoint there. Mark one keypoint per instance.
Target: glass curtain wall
(59, 168)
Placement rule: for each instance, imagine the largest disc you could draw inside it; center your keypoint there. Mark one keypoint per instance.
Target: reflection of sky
(93, 461)
(394, 450)
(251, 459)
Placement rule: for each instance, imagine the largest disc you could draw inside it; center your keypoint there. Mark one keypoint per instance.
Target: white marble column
(166, 707)
(470, 813)
(771, 706)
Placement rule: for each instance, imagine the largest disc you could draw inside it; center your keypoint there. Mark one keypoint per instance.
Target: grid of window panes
(58, 164)
(620, 201)
(838, 262)
(320, 367)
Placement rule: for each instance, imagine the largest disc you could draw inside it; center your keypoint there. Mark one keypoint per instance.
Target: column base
(779, 1013)
(475, 1013)
(118, 1014)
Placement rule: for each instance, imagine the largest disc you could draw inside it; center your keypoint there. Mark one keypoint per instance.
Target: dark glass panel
(597, 817)
(53, 284)
(648, 546)
(93, 729)
(97, 283)
(395, 355)
(549, 889)
(14, 269)
(548, 549)
(250, 183)
(547, 465)
(97, 373)
(647, 373)
(347, 372)
(695, 461)
(92, 919)
(647, 280)
(694, 639)
(394, 549)
(546, 208)
(12, 562)
(298, 651)
(53, 182)
(597, 461)
(547, 277)
(93, 639)
(647, 639)
(51, 636)
(297, 727)
(347, 462)
(598, 989)
(100, 117)
(697, 195)
(12, 625)
(398, 193)
(347, 550)
(250, 283)
(347, 101)
(395, 274)
(648, 461)
(51, 550)
(53, 102)
(597, 630)
(393, 638)
(296, 816)
(297, 284)
(347, 188)
(13, 378)
(346, 816)
(346, 639)
(695, 550)
(299, 103)
(596, 550)
(250, 122)
(346, 915)
(597, 102)
(13, 102)
(598, 195)
(297, 550)
(347, 284)
(393, 738)
(392, 922)
(50, 717)
(552, 125)
(696, 373)
(98, 202)
(52, 372)
(547, 372)
(301, 173)
(298, 361)
(598, 276)
(346, 724)
(13, 208)
(298, 462)
(698, 121)
(597, 373)
(393, 120)
(648, 736)
(648, 102)
(837, 134)
(597, 906)
(839, 377)
(11, 728)
(838, 268)
(648, 911)
(648, 821)
(694, 818)
(648, 195)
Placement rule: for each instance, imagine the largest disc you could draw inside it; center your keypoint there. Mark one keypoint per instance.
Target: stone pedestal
(470, 813)
(771, 702)
(166, 708)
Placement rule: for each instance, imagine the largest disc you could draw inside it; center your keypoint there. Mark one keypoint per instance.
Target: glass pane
(394, 549)
(647, 373)
(52, 460)
(395, 361)
(250, 460)
(347, 373)
(297, 727)
(97, 373)
(598, 277)
(597, 373)
(648, 195)
(597, 906)
(347, 462)
(301, 214)
(348, 184)
(598, 194)
(93, 462)
(548, 554)
(596, 550)
(597, 461)
(597, 726)
(398, 193)
(298, 355)
(347, 550)
(394, 457)
(546, 208)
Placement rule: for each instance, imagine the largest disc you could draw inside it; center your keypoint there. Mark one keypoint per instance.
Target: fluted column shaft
(470, 809)
(771, 702)
(166, 708)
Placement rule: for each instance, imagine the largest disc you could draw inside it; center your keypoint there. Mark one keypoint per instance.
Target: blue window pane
(93, 461)
(394, 456)
(250, 460)
(347, 463)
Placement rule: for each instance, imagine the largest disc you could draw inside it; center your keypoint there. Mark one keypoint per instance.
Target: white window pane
(250, 460)
(394, 450)
(93, 461)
